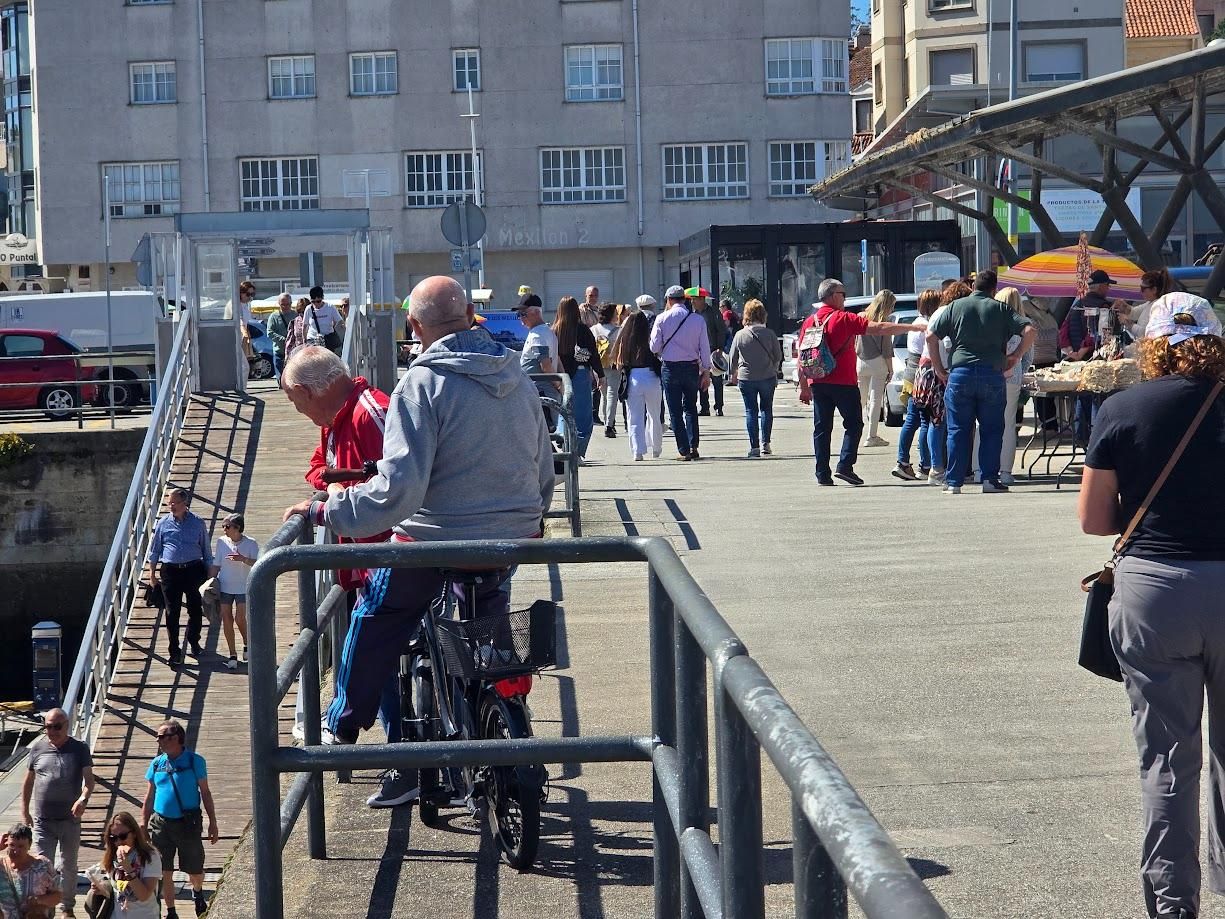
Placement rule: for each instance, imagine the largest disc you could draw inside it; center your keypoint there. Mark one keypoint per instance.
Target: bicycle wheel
(427, 779)
(512, 792)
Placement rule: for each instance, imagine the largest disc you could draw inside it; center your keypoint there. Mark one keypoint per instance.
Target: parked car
(262, 365)
(791, 341)
(46, 366)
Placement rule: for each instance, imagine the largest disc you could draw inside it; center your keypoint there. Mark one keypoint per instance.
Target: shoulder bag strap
(757, 341)
(1121, 542)
(679, 326)
(174, 785)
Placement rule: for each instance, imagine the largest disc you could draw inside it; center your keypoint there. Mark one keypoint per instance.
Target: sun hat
(718, 363)
(1181, 315)
(700, 292)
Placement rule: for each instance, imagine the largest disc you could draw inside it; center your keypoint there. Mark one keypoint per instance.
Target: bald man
(467, 448)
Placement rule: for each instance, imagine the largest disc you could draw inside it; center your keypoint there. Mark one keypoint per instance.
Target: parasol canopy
(1054, 273)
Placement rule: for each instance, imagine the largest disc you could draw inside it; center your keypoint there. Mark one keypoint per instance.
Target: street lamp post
(478, 193)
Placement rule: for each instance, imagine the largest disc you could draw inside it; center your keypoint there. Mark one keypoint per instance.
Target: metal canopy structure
(1173, 91)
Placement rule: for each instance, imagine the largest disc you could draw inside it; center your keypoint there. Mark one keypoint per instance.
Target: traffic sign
(474, 259)
(454, 218)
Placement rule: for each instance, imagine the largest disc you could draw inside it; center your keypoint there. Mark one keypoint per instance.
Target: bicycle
(468, 678)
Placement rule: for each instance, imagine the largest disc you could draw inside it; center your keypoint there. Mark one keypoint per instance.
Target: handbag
(1096, 652)
(193, 818)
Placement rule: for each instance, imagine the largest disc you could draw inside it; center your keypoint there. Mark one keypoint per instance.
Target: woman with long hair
(1012, 386)
(576, 348)
(754, 361)
(131, 868)
(1165, 614)
(632, 353)
(875, 365)
(921, 418)
(605, 332)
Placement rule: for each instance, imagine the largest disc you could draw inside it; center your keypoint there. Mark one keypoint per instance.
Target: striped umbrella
(1054, 273)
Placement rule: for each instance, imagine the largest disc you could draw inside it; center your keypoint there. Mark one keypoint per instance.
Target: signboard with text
(16, 249)
(1072, 209)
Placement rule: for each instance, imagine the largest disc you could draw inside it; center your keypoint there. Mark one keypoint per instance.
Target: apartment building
(606, 131)
(933, 60)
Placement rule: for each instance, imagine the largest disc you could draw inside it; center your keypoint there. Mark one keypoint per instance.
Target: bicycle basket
(493, 647)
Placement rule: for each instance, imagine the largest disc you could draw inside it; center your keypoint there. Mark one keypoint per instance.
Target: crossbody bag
(189, 815)
(1096, 652)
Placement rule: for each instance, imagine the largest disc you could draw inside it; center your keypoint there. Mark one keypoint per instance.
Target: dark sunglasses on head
(118, 837)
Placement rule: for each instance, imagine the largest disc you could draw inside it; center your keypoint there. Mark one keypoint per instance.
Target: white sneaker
(397, 788)
(1007, 479)
(231, 664)
(936, 477)
(951, 490)
(875, 441)
(765, 449)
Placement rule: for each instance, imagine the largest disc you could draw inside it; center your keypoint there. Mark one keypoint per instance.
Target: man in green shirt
(979, 328)
(279, 325)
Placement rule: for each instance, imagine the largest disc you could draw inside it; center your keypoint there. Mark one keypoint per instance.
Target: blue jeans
(583, 421)
(758, 396)
(680, 380)
(975, 393)
(915, 422)
(937, 435)
(844, 399)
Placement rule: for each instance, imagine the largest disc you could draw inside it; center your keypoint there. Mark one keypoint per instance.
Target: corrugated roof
(1160, 18)
(861, 67)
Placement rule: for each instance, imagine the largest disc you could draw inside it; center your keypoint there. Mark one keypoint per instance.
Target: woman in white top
(234, 555)
(1012, 386)
(605, 332)
(131, 868)
(875, 365)
(918, 421)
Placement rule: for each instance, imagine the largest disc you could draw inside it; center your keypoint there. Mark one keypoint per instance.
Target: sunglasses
(56, 725)
(118, 837)
(166, 735)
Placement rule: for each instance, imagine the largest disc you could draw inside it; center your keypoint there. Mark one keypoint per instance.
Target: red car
(40, 369)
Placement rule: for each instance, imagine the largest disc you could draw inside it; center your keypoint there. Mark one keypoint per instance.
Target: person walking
(754, 361)
(979, 327)
(838, 390)
(131, 870)
(716, 329)
(323, 322)
(29, 884)
(179, 559)
(641, 384)
(59, 781)
(279, 324)
(1166, 626)
(177, 790)
(874, 365)
(1012, 384)
(580, 359)
(920, 418)
(605, 332)
(682, 343)
(233, 555)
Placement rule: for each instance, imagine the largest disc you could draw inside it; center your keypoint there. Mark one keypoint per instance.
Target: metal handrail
(99, 651)
(838, 845)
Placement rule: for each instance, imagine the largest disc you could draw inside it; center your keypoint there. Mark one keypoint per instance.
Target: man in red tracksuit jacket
(351, 415)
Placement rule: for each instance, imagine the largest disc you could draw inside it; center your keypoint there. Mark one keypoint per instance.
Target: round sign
(451, 224)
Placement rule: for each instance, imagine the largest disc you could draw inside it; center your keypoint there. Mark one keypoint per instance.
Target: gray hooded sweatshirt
(466, 454)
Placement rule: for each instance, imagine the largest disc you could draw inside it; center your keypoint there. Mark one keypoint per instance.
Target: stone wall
(58, 511)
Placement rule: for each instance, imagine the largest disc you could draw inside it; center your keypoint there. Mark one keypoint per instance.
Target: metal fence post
(692, 748)
(265, 781)
(308, 685)
(663, 725)
(740, 844)
(820, 892)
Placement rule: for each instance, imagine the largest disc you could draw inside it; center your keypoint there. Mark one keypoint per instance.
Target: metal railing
(563, 405)
(837, 844)
(99, 652)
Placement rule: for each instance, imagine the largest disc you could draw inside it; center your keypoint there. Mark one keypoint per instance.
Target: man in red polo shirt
(839, 390)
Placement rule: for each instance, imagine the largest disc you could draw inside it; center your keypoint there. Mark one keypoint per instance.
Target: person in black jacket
(576, 349)
(716, 329)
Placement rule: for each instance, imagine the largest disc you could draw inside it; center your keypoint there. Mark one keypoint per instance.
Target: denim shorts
(233, 598)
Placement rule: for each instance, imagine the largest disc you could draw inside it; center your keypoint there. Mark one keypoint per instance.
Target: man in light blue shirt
(179, 559)
(680, 339)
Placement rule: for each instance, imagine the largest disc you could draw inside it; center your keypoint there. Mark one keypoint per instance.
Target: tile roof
(861, 67)
(1160, 18)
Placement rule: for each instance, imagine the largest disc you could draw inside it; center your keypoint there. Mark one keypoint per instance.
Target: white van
(81, 318)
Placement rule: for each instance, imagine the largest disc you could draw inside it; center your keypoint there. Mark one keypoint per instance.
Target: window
(466, 66)
(141, 189)
(593, 73)
(153, 82)
(23, 346)
(937, 6)
(574, 175)
(1049, 62)
(372, 74)
(694, 171)
(149, 2)
(954, 67)
(291, 77)
(796, 165)
(290, 184)
(1207, 22)
(801, 66)
(438, 179)
(878, 86)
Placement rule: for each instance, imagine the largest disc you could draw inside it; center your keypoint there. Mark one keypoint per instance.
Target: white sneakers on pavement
(397, 788)
(875, 441)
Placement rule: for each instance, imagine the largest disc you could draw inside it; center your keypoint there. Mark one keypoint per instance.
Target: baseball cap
(1179, 316)
(701, 292)
(1101, 277)
(675, 292)
(527, 301)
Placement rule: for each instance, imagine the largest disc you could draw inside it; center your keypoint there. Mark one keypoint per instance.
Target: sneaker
(610, 432)
(693, 455)
(849, 477)
(936, 477)
(923, 471)
(951, 489)
(327, 737)
(824, 480)
(1007, 479)
(176, 656)
(905, 472)
(232, 663)
(201, 903)
(719, 412)
(754, 453)
(397, 788)
(637, 457)
(991, 488)
(875, 441)
(765, 449)
(681, 457)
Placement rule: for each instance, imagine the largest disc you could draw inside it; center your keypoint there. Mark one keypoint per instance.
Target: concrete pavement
(928, 640)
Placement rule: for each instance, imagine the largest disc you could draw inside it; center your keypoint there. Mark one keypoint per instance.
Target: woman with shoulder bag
(124, 883)
(640, 385)
(875, 365)
(1154, 460)
(576, 348)
(754, 361)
